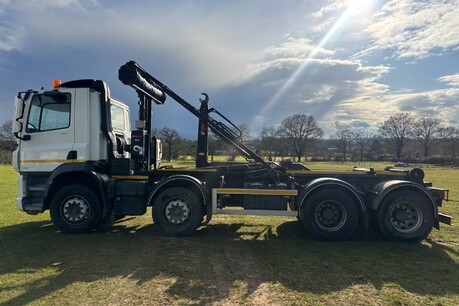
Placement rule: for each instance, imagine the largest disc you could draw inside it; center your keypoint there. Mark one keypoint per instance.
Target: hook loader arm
(133, 75)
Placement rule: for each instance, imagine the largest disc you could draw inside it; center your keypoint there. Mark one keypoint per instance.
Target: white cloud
(375, 108)
(452, 79)
(288, 82)
(15, 30)
(11, 39)
(212, 49)
(414, 29)
(34, 5)
(330, 8)
(297, 48)
(332, 90)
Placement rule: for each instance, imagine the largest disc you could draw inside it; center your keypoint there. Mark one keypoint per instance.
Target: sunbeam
(352, 8)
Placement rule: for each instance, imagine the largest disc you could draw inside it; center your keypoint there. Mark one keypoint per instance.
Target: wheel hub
(405, 217)
(177, 211)
(75, 210)
(400, 215)
(330, 215)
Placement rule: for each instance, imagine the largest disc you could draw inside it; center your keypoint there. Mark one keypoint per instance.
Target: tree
(188, 148)
(7, 142)
(244, 132)
(427, 131)
(450, 136)
(343, 139)
(172, 140)
(214, 144)
(398, 129)
(7, 137)
(299, 130)
(363, 139)
(376, 146)
(269, 141)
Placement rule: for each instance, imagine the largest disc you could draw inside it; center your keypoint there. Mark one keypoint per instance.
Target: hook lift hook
(206, 98)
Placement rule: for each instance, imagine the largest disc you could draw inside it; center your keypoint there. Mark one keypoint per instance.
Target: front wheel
(177, 212)
(329, 215)
(406, 216)
(75, 209)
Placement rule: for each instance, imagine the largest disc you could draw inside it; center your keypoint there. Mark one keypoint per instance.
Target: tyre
(406, 216)
(329, 215)
(177, 212)
(75, 209)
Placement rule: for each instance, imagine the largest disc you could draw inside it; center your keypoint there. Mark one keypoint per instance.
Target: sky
(349, 63)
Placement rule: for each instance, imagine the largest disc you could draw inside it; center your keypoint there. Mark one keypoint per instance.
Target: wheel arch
(186, 181)
(334, 183)
(384, 189)
(77, 173)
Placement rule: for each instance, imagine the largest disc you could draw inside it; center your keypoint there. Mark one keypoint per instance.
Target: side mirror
(18, 114)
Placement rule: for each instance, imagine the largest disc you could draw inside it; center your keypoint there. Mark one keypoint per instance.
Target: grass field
(233, 260)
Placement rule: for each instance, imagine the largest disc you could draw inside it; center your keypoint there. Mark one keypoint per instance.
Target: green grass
(233, 260)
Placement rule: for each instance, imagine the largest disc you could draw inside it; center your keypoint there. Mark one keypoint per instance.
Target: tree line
(403, 136)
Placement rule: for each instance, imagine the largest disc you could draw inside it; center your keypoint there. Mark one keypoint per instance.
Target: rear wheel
(329, 215)
(177, 212)
(406, 216)
(75, 209)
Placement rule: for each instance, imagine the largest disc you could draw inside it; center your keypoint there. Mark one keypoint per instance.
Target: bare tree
(155, 133)
(398, 129)
(300, 130)
(7, 142)
(427, 131)
(376, 146)
(172, 139)
(363, 140)
(342, 140)
(269, 141)
(450, 136)
(214, 144)
(244, 132)
(7, 137)
(187, 148)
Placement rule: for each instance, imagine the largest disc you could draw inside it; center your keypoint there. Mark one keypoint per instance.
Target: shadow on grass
(218, 261)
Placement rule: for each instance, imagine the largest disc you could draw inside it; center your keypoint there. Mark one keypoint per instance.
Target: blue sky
(348, 63)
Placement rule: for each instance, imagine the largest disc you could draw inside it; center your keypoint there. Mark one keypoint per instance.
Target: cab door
(48, 132)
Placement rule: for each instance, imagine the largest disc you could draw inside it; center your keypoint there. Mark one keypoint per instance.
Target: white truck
(78, 158)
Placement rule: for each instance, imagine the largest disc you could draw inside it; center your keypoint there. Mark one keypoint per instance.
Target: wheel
(406, 216)
(177, 212)
(75, 209)
(329, 215)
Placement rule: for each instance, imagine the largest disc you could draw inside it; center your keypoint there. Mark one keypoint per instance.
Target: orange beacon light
(56, 83)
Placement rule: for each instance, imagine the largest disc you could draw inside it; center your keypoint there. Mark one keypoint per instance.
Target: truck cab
(74, 123)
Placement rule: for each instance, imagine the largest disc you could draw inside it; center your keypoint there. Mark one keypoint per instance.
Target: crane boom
(145, 84)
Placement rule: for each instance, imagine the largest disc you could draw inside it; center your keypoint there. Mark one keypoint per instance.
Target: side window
(49, 113)
(117, 114)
